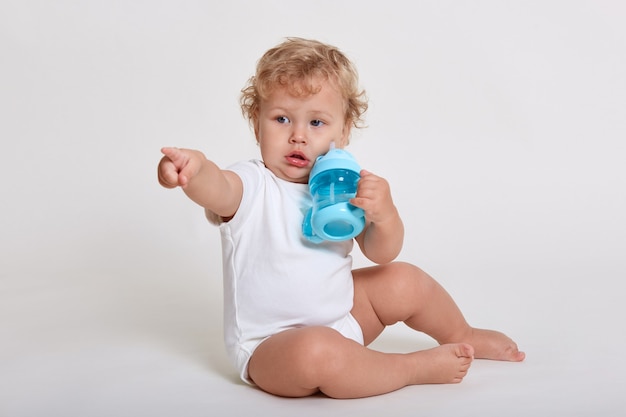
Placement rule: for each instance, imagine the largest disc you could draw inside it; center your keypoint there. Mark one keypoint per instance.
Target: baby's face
(293, 131)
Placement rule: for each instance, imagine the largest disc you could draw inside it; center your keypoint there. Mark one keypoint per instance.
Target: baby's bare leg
(387, 294)
(301, 362)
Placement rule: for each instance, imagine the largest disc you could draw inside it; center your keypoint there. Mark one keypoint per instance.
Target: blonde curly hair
(296, 64)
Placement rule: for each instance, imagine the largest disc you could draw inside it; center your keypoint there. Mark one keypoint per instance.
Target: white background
(501, 126)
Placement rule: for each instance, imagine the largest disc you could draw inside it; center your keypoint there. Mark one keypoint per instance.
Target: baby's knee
(405, 268)
(312, 351)
(406, 277)
(316, 343)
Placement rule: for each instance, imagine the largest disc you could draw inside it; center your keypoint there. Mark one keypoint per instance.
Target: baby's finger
(368, 187)
(177, 156)
(168, 174)
(361, 202)
(169, 151)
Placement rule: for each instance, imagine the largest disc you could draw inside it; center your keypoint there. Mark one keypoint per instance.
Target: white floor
(117, 342)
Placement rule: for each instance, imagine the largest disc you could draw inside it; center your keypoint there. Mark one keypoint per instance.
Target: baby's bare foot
(445, 364)
(490, 344)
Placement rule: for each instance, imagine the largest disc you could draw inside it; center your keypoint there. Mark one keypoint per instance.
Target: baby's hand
(178, 167)
(374, 197)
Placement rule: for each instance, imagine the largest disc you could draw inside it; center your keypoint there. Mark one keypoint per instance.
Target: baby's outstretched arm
(217, 190)
(382, 238)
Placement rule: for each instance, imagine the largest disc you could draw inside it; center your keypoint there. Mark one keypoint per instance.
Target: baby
(298, 318)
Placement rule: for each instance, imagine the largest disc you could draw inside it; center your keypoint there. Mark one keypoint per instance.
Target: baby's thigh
(286, 363)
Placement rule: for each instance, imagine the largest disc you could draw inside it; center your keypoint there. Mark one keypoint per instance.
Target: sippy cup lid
(334, 159)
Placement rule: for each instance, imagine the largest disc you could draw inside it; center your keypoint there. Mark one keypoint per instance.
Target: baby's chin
(297, 176)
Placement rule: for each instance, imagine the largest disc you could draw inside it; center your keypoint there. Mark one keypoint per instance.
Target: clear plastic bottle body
(332, 217)
(332, 187)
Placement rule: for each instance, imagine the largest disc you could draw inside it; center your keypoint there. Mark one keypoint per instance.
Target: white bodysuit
(274, 278)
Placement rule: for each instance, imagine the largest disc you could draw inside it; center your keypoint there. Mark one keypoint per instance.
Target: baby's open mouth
(297, 159)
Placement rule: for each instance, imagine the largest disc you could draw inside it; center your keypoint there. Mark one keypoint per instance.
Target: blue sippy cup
(332, 183)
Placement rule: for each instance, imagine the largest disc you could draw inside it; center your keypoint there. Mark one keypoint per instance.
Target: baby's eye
(282, 119)
(316, 123)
